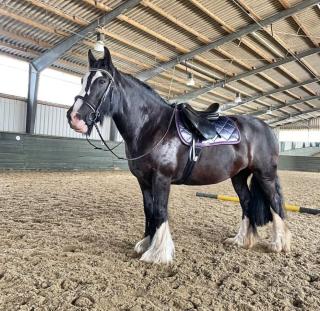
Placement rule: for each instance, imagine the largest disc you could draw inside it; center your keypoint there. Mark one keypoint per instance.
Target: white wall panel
(12, 115)
(50, 119)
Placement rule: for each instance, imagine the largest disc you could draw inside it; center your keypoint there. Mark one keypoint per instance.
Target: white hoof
(281, 235)
(142, 245)
(281, 243)
(246, 236)
(276, 247)
(237, 240)
(161, 250)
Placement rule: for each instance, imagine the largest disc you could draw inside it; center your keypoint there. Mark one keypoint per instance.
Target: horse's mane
(147, 88)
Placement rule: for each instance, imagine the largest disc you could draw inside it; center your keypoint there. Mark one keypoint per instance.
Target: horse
(157, 158)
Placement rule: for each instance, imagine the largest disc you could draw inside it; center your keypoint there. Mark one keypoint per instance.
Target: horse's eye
(102, 81)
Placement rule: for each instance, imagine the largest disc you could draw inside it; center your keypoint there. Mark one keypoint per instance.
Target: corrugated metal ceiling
(159, 30)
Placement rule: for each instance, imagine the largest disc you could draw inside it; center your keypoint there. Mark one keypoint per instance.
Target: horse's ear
(91, 58)
(107, 58)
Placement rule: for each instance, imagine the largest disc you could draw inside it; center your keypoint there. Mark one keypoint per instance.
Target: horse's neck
(141, 116)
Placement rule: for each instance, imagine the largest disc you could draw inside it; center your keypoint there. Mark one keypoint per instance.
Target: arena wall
(50, 118)
(35, 152)
(24, 152)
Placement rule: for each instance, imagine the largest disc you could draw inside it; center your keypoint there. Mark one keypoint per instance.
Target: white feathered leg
(281, 236)
(246, 237)
(161, 249)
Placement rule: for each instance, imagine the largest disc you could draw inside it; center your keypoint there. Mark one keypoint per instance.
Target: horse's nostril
(75, 116)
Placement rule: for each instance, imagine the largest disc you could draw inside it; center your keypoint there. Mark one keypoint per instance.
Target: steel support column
(48, 58)
(32, 98)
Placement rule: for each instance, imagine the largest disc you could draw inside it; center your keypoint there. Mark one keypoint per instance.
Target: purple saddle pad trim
(226, 128)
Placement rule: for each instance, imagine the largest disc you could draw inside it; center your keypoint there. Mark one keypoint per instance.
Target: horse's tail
(259, 212)
(279, 199)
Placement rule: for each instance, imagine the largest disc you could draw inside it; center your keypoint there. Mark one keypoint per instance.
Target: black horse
(144, 120)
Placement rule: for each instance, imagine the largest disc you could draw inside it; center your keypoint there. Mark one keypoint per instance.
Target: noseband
(93, 117)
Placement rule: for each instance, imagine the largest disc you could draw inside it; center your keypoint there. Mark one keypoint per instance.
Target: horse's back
(259, 136)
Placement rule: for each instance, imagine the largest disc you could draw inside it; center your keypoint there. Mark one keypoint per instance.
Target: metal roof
(158, 31)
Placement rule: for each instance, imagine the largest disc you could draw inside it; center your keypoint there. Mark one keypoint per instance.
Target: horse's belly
(217, 164)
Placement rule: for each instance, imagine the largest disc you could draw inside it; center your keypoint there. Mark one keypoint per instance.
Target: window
(54, 86)
(14, 76)
(58, 87)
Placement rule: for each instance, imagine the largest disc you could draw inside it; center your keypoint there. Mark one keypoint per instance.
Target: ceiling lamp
(99, 45)
(190, 81)
(269, 111)
(238, 98)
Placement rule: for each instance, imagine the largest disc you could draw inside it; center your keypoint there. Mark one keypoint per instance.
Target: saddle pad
(228, 133)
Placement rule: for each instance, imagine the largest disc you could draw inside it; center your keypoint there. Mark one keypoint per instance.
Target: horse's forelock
(87, 81)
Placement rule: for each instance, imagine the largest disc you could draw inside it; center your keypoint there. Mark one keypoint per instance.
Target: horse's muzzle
(77, 124)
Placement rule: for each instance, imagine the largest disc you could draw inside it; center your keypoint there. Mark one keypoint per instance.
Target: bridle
(95, 114)
(93, 117)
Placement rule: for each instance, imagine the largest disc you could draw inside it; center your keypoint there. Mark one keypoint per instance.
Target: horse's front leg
(146, 190)
(161, 249)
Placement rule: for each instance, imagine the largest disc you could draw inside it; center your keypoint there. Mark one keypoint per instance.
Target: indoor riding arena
(89, 150)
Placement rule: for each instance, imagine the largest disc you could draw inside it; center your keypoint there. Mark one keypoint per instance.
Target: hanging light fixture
(99, 45)
(190, 81)
(238, 98)
(269, 111)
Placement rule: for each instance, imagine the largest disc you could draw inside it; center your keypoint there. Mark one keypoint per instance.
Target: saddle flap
(226, 129)
(203, 126)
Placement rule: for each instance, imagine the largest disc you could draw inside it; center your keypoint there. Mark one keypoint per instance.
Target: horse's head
(95, 99)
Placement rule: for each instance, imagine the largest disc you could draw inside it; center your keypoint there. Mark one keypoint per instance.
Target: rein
(95, 114)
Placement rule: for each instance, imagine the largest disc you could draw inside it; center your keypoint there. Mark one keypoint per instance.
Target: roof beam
(274, 37)
(269, 93)
(222, 83)
(274, 121)
(306, 121)
(116, 37)
(51, 55)
(204, 39)
(288, 104)
(247, 42)
(145, 75)
(59, 33)
(180, 48)
(286, 5)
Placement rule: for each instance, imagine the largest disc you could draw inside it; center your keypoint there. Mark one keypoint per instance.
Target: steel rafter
(147, 74)
(49, 57)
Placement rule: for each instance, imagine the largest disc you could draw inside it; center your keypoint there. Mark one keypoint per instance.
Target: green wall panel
(54, 153)
(57, 153)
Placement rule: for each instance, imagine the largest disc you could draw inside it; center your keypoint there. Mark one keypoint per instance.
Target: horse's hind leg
(281, 235)
(247, 234)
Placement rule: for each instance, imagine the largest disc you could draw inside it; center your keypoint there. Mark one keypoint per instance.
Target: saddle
(199, 129)
(201, 122)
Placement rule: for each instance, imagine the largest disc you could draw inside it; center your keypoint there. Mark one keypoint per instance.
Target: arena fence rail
(287, 207)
